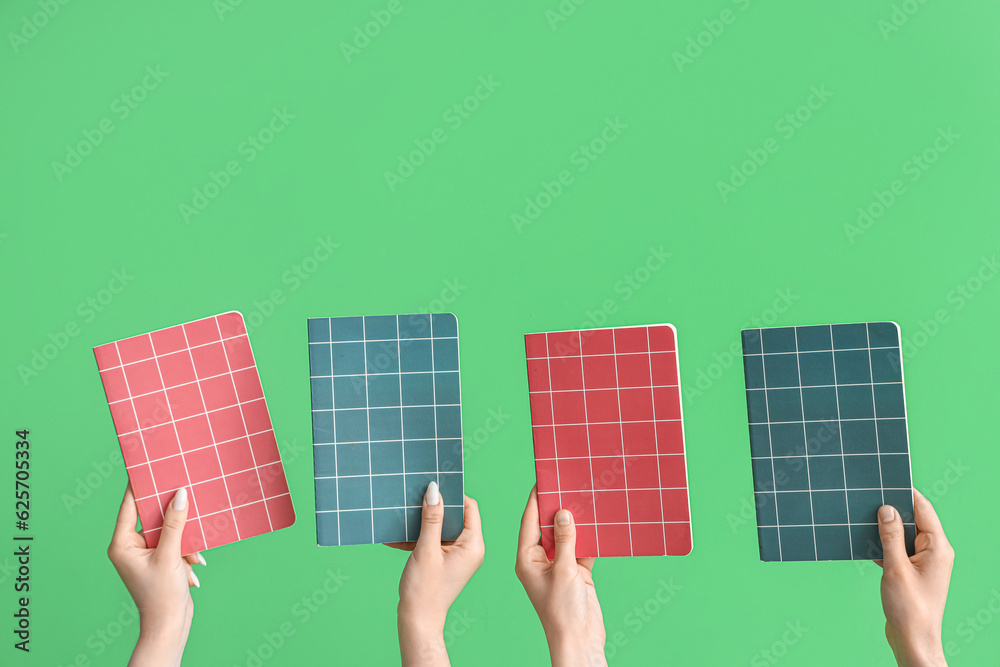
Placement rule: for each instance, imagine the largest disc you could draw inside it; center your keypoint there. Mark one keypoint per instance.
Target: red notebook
(189, 411)
(609, 439)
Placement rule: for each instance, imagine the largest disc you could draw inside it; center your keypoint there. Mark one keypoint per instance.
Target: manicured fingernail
(180, 501)
(563, 518)
(201, 559)
(194, 579)
(433, 496)
(886, 514)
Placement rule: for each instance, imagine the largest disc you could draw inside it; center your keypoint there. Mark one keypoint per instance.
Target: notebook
(828, 438)
(609, 439)
(189, 411)
(387, 421)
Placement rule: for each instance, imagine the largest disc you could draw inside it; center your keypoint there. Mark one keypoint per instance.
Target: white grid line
(164, 389)
(590, 458)
(555, 441)
(386, 342)
(211, 431)
(142, 440)
(123, 364)
(628, 509)
(845, 349)
(656, 437)
(368, 416)
(173, 422)
(846, 489)
(402, 446)
(770, 443)
(253, 457)
(222, 511)
(871, 374)
(805, 438)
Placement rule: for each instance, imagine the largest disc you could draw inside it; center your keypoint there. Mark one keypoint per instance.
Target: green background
(781, 236)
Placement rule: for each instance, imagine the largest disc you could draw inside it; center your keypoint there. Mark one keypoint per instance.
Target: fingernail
(180, 501)
(563, 518)
(194, 579)
(201, 559)
(886, 514)
(433, 496)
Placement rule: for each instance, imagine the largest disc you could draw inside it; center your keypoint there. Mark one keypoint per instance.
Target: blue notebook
(387, 421)
(828, 438)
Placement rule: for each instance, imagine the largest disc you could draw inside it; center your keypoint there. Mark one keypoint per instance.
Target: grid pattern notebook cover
(609, 440)
(190, 412)
(387, 421)
(827, 438)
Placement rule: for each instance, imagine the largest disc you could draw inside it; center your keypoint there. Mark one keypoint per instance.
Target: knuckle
(564, 538)
(892, 534)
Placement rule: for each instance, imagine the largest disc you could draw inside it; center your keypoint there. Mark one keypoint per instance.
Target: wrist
(158, 650)
(568, 650)
(421, 637)
(418, 619)
(919, 652)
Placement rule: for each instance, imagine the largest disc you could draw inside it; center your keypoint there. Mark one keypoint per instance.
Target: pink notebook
(609, 439)
(189, 411)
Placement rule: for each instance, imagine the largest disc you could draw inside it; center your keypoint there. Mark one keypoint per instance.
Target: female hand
(434, 575)
(915, 588)
(158, 580)
(562, 591)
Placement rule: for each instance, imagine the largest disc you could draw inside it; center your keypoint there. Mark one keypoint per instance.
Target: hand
(915, 589)
(562, 591)
(158, 580)
(434, 575)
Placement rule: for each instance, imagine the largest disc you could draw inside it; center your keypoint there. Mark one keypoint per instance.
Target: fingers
(127, 517)
(473, 521)
(431, 520)
(890, 529)
(924, 515)
(194, 558)
(192, 578)
(528, 536)
(565, 539)
(587, 563)
(173, 526)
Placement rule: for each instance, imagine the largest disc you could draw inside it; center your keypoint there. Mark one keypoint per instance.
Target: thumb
(890, 530)
(173, 526)
(565, 539)
(431, 519)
